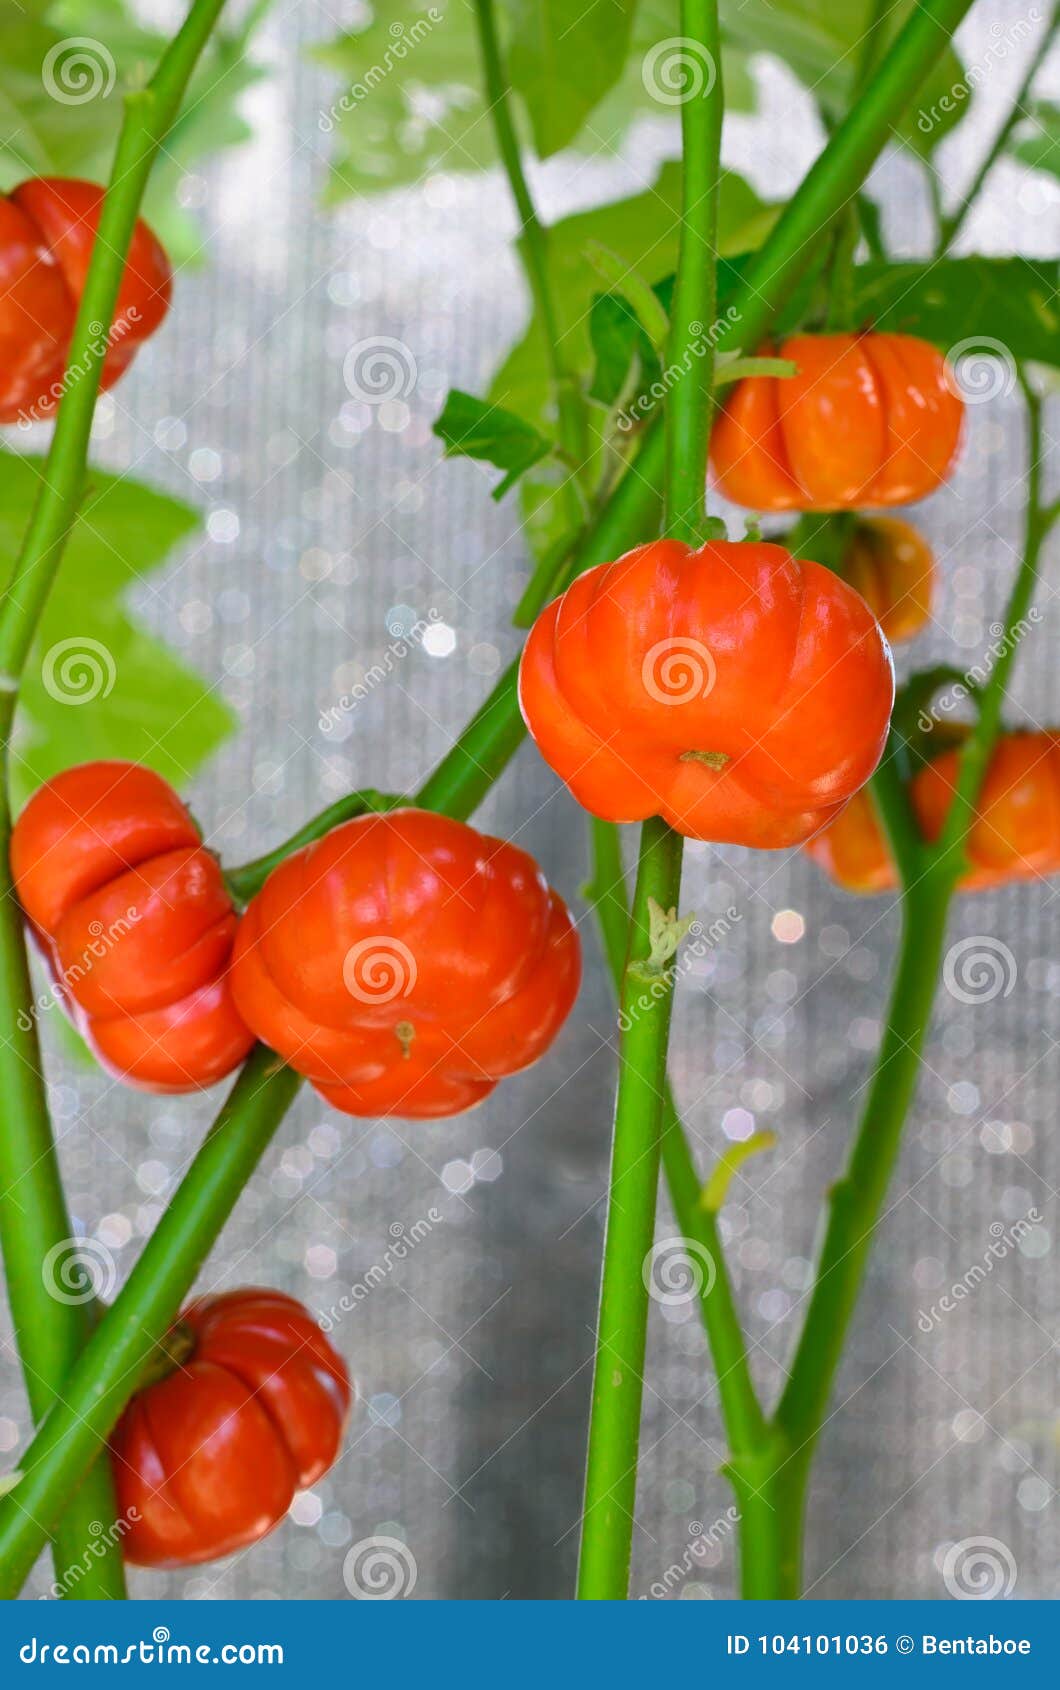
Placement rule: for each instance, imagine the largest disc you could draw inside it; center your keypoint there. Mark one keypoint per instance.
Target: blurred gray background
(332, 525)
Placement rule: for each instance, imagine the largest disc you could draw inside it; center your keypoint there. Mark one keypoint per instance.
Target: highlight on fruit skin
(405, 963)
(246, 1403)
(738, 692)
(891, 565)
(132, 916)
(867, 419)
(1015, 835)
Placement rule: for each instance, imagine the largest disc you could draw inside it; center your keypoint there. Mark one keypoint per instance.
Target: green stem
(110, 1365)
(744, 1422)
(856, 1201)
(244, 882)
(951, 223)
(534, 250)
(618, 1378)
(490, 740)
(34, 1220)
(646, 1005)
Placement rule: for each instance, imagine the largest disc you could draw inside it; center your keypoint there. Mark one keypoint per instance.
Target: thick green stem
(618, 1379)
(108, 1370)
(744, 1421)
(495, 733)
(534, 249)
(646, 1002)
(951, 223)
(34, 1220)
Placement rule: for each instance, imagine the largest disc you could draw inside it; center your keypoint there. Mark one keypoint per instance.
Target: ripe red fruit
(135, 921)
(735, 691)
(868, 419)
(208, 1457)
(405, 963)
(47, 232)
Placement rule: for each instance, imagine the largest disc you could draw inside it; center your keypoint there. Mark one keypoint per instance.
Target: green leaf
(473, 428)
(97, 684)
(822, 41)
(563, 57)
(1037, 140)
(618, 337)
(1009, 301)
(42, 134)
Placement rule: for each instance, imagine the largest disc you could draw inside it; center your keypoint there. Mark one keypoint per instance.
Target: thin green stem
(34, 1222)
(693, 328)
(856, 1202)
(618, 1378)
(951, 223)
(744, 1422)
(534, 250)
(244, 882)
(491, 739)
(646, 1003)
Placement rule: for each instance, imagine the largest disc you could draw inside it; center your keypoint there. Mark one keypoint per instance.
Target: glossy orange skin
(868, 419)
(209, 1458)
(47, 231)
(893, 568)
(405, 963)
(133, 916)
(736, 649)
(1016, 835)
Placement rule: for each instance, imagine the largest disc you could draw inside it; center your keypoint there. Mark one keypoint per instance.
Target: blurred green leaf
(97, 684)
(1011, 301)
(1037, 139)
(563, 57)
(61, 110)
(821, 41)
(408, 98)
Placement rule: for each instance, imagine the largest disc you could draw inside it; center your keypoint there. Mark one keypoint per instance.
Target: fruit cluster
(405, 963)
